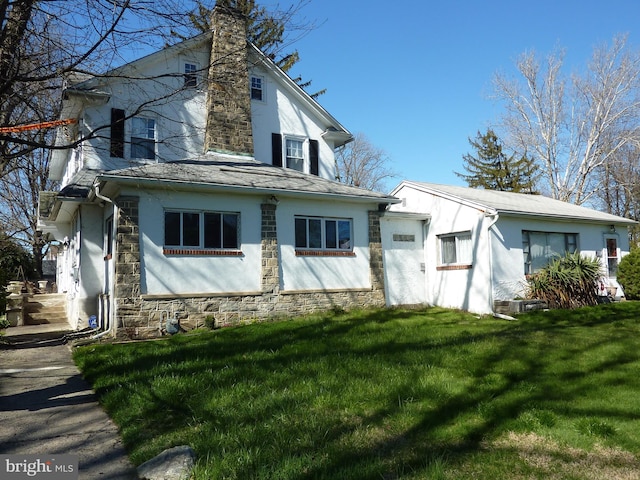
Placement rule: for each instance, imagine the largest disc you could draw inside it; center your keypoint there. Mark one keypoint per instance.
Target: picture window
(323, 233)
(202, 230)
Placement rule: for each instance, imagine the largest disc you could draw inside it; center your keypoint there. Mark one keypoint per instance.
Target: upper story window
(257, 88)
(143, 138)
(295, 152)
(455, 249)
(201, 230)
(323, 233)
(539, 248)
(190, 71)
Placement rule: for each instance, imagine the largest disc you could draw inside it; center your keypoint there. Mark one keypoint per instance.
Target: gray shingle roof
(521, 204)
(230, 172)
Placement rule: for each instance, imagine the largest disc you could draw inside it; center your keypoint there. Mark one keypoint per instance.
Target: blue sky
(415, 76)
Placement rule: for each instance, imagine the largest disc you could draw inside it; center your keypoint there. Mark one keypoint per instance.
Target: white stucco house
(202, 187)
(467, 248)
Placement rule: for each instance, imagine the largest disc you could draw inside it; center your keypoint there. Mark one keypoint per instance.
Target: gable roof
(516, 204)
(240, 174)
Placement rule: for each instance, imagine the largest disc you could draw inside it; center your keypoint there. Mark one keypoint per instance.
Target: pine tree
(266, 29)
(492, 169)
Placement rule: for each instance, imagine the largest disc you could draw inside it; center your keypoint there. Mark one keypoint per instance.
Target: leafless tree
(42, 41)
(362, 164)
(574, 126)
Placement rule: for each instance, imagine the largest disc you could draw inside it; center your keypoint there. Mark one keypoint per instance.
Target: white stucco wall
(182, 274)
(467, 289)
(178, 274)
(180, 116)
(280, 113)
(497, 272)
(323, 272)
(179, 113)
(509, 280)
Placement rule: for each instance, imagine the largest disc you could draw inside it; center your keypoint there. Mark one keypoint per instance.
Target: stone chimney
(228, 99)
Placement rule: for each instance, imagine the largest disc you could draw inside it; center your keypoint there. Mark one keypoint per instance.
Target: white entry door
(404, 261)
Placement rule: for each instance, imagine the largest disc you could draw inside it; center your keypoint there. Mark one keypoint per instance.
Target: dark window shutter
(276, 149)
(117, 133)
(314, 149)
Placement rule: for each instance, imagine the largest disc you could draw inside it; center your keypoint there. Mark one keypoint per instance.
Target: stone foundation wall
(141, 316)
(221, 311)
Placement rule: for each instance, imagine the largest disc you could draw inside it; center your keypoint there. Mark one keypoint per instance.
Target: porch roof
(220, 171)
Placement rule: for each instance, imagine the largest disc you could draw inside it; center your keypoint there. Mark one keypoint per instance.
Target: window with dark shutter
(314, 154)
(276, 149)
(117, 133)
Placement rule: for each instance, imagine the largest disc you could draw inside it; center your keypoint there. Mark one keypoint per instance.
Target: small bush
(629, 274)
(567, 282)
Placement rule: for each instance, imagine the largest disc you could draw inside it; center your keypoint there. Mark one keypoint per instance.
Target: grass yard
(386, 394)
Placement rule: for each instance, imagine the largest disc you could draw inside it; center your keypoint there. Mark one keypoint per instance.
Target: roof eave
(190, 185)
(547, 216)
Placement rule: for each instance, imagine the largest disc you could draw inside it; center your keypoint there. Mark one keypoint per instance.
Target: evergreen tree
(492, 169)
(266, 29)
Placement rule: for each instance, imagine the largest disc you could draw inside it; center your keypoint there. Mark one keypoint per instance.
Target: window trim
(146, 118)
(459, 263)
(612, 268)
(304, 148)
(201, 249)
(261, 89)
(190, 77)
(323, 249)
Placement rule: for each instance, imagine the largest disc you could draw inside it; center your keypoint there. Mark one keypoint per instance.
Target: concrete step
(45, 308)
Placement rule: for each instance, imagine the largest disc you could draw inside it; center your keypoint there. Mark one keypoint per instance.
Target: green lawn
(385, 394)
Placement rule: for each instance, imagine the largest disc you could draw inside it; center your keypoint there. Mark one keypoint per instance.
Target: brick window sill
(324, 253)
(190, 252)
(453, 267)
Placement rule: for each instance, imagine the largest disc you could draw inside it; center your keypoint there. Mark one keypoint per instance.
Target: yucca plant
(567, 282)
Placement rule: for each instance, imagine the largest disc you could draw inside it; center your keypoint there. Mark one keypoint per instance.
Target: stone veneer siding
(138, 316)
(229, 95)
(127, 267)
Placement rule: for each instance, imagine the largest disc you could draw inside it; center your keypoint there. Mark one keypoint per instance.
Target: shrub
(629, 274)
(567, 282)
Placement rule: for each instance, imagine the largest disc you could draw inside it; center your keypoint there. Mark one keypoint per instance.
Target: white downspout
(96, 187)
(494, 220)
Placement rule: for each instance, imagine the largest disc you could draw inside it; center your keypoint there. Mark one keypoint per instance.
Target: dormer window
(143, 138)
(190, 75)
(257, 88)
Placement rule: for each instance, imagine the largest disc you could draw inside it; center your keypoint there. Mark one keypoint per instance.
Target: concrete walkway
(46, 407)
